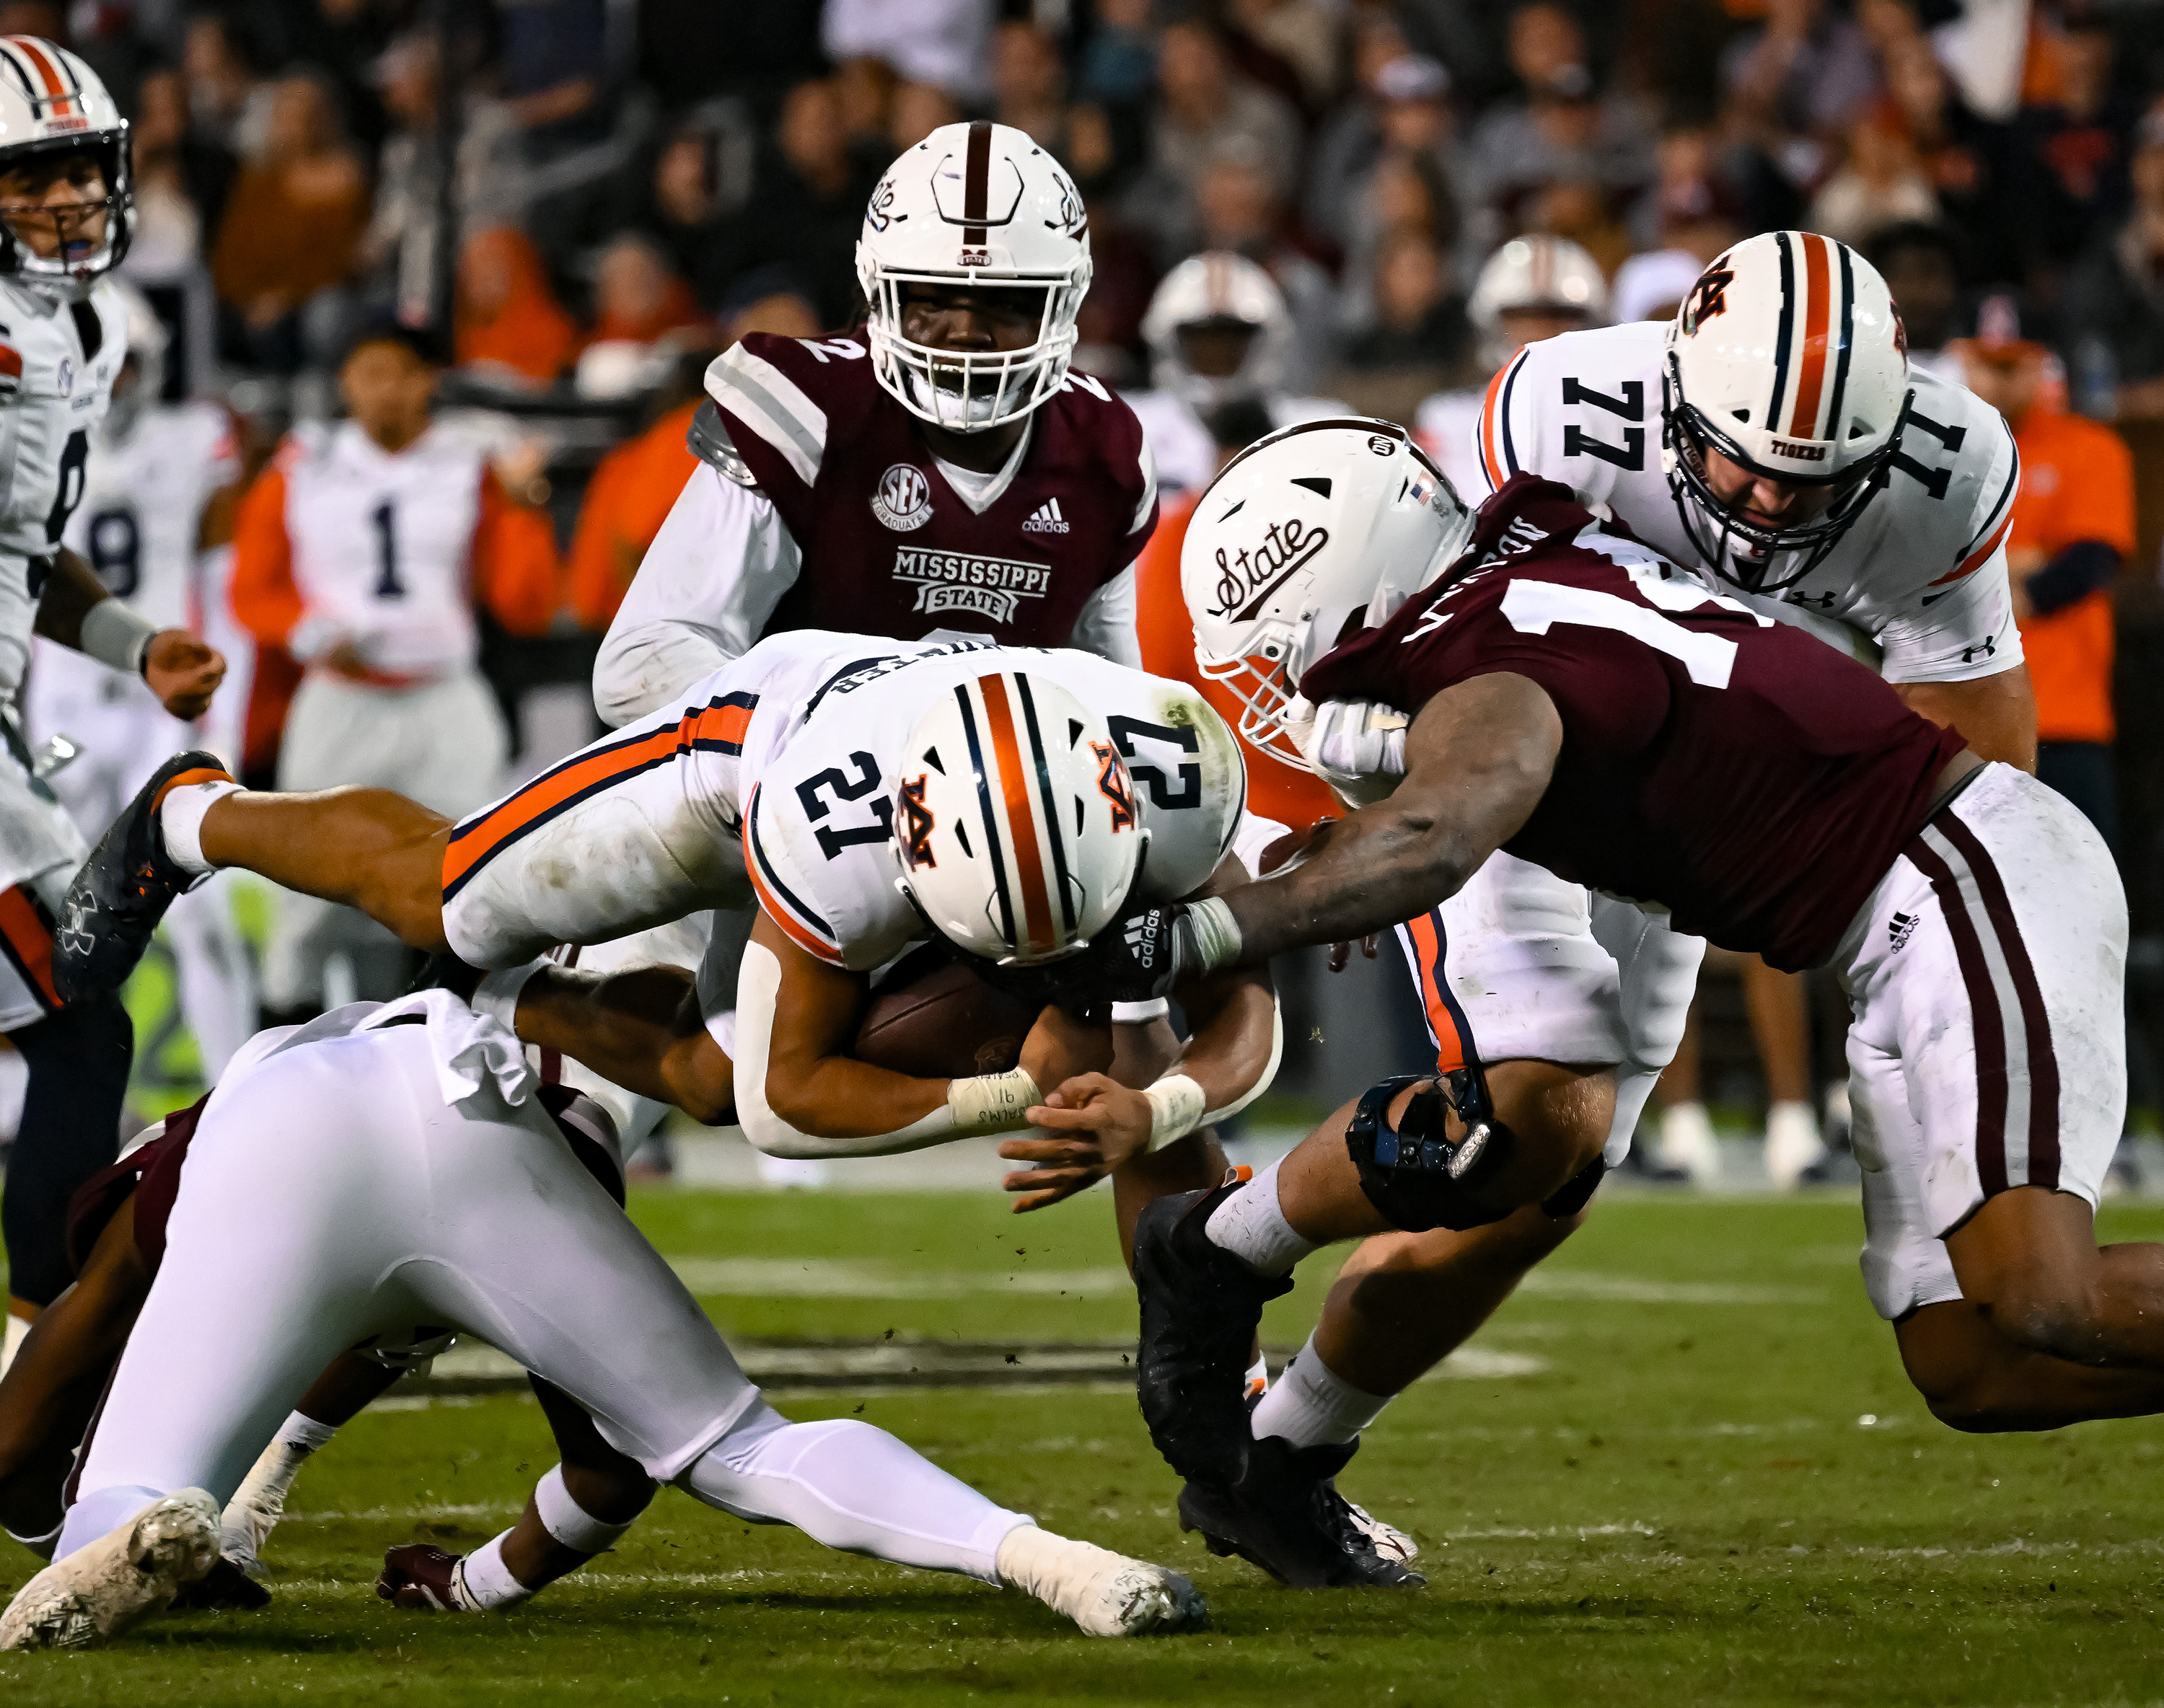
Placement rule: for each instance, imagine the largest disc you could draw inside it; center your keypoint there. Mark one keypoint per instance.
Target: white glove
(1358, 748)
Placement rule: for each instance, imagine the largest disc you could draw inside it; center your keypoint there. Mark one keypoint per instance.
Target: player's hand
(1093, 1124)
(182, 672)
(1140, 958)
(1341, 954)
(1059, 1046)
(1358, 748)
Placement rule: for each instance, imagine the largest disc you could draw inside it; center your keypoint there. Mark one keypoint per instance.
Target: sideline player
(157, 495)
(364, 550)
(796, 777)
(66, 209)
(1571, 696)
(1219, 334)
(314, 1212)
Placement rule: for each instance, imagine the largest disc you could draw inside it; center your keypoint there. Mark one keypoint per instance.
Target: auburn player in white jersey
(390, 1166)
(157, 485)
(364, 549)
(797, 778)
(65, 207)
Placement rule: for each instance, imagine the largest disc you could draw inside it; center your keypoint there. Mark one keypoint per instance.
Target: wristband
(991, 1102)
(1176, 1104)
(496, 995)
(115, 633)
(1216, 934)
(1141, 1013)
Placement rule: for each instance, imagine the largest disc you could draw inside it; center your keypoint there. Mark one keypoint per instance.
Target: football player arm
(1478, 759)
(1994, 715)
(640, 1029)
(800, 1093)
(74, 610)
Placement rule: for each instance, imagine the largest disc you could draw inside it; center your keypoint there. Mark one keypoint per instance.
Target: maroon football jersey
(890, 547)
(1738, 771)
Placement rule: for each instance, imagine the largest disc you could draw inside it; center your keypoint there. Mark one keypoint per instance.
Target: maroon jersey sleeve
(151, 1172)
(1738, 771)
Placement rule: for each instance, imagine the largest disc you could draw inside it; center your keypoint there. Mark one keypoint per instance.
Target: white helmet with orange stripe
(1015, 819)
(1788, 359)
(1218, 328)
(58, 124)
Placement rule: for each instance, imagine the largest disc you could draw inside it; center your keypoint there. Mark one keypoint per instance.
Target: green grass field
(1709, 1482)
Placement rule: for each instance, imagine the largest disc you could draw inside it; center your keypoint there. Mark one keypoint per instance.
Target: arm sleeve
(1107, 625)
(265, 599)
(515, 564)
(1964, 628)
(707, 587)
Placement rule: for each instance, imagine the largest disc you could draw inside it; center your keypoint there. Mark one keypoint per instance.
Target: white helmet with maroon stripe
(1221, 293)
(1535, 275)
(976, 204)
(1788, 358)
(1322, 527)
(52, 103)
(1015, 819)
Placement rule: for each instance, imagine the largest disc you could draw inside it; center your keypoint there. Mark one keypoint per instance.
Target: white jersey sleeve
(1107, 625)
(706, 589)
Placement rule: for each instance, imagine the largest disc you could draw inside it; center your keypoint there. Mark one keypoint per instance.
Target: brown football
(945, 1025)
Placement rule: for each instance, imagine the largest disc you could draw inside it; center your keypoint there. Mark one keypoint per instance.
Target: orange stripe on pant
(1014, 785)
(29, 940)
(469, 849)
(1451, 1051)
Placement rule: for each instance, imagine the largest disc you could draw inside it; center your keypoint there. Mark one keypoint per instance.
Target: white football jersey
(1921, 576)
(833, 712)
(57, 362)
(143, 499)
(383, 545)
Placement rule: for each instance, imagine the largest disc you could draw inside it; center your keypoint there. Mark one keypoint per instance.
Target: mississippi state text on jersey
(1922, 573)
(890, 545)
(1726, 767)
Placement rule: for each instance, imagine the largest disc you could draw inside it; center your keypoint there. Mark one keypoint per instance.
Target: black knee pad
(79, 1059)
(1414, 1176)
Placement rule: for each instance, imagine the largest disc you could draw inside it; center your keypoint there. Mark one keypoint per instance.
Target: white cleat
(1792, 1143)
(99, 1591)
(1104, 1594)
(1390, 1542)
(1687, 1142)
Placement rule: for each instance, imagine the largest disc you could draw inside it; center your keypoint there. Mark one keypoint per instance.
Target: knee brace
(1416, 1176)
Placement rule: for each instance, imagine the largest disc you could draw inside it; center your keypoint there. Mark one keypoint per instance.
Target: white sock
(1311, 1406)
(482, 1581)
(179, 822)
(260, 1502)
(1251, 1227)
(11, 1340)
(571, 1523)
(850, 1486)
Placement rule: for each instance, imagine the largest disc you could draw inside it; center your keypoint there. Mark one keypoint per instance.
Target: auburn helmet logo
(1114, 784)
(917, 822)
(1707, 298)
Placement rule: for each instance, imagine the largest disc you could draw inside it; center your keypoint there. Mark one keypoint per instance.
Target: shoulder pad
(708, 440)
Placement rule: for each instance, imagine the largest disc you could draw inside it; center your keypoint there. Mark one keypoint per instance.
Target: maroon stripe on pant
(1986, 1023)
(2035, 1019)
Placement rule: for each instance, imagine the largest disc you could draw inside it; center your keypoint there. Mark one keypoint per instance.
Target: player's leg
(352, 1381)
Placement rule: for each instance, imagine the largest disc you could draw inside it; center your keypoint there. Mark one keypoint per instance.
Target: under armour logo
(1822, 601)
(1983, 649)
(1900, 929)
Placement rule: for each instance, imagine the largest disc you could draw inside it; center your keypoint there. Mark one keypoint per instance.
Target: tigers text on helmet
(1534, 274)
(974, 204)
(1218, 292)
(1015, 819)
(1788, 359)
(52, 103)
(1323, 526)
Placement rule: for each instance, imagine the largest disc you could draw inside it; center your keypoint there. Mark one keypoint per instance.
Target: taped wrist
(496, 995)
(569, 1523)
(991, 1102)
(1141, 1013)
(1414, 1175)
(1176, 1105)
(114, 632)
(1215, 936)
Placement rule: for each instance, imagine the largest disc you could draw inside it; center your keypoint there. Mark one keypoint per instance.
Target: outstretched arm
(1478, 759)
(639, 1029)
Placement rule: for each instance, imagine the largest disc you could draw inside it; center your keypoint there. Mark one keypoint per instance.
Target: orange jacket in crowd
(505, 312)
(1275, 790)
(627, 500)
(2077, 484)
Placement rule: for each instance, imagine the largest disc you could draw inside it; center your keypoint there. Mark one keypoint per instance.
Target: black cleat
(123, 890)
(224, 1587)
(1200, 1307)
(1286, 1515)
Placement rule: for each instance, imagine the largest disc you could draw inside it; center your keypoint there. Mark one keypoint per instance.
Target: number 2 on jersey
(384, 516)
(831, 842)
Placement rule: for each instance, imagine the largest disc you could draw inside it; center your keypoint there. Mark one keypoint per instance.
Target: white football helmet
(1786, 357)
(974, 204)
(1319, 528)
(1015, 820)
(51, 103)
(147, 340)
(1534, 274)
(1213, 291)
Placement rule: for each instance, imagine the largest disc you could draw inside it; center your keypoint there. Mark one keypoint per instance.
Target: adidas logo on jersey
(1046, 519)
(1900, 929)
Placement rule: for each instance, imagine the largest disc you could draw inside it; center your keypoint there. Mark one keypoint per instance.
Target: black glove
(1142, 956)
